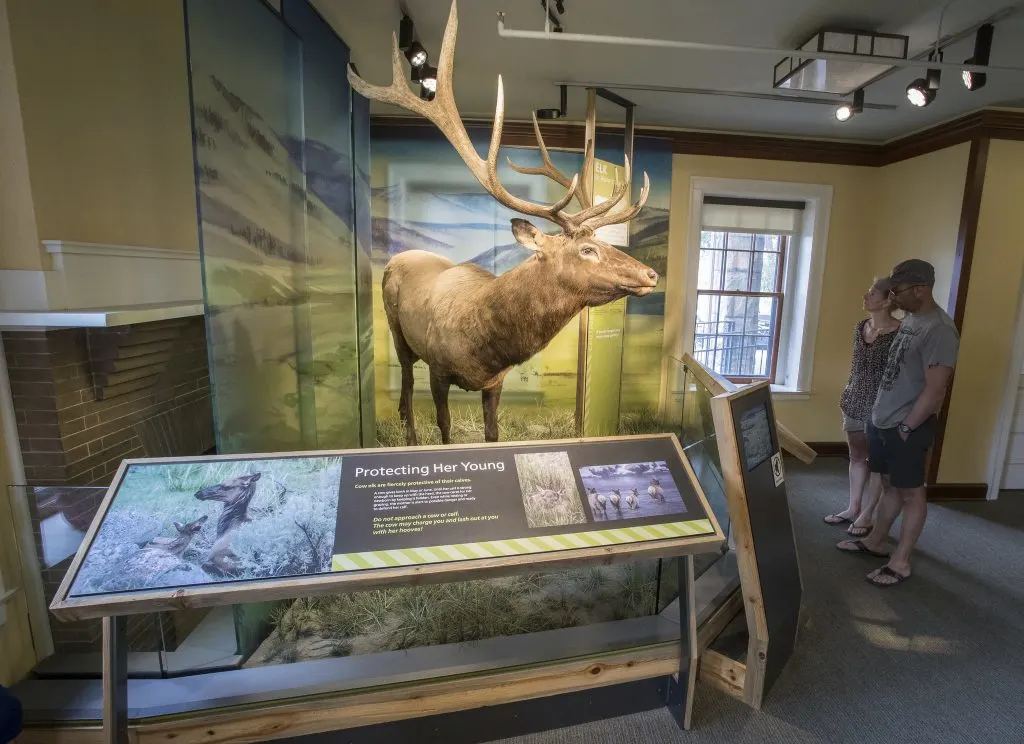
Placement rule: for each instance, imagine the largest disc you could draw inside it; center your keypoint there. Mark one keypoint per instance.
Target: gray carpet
(937, 659)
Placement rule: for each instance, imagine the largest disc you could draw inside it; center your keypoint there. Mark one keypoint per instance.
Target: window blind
(751, 215)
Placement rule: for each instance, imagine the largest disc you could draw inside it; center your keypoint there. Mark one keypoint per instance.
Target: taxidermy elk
(469, 326)
(234, 495)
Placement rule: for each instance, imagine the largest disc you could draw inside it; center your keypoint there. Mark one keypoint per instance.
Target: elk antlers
(444, 114)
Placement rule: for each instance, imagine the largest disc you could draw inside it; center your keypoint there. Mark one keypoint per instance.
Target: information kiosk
(377, 518)
(752, 650)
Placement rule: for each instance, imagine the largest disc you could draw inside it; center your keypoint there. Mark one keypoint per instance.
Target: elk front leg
(491, 399)
(439, 391)
(405, 406)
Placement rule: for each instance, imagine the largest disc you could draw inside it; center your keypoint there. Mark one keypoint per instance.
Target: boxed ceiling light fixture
(840, 76)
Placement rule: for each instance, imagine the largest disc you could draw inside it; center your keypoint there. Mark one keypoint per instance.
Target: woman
(871, 341)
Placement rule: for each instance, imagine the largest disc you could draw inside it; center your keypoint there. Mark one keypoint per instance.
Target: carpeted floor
(937, 659)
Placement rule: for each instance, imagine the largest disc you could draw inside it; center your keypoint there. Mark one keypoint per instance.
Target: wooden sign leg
(681, 688)
(115, 680)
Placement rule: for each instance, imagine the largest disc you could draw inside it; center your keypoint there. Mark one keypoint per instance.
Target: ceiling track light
(428, 78)
(556, 113)
(416, 54)
(426, 94)
(406, 33)
(982, 50)
(846, 111)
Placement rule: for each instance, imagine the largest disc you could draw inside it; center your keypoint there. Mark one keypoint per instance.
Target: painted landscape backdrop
(425, 198)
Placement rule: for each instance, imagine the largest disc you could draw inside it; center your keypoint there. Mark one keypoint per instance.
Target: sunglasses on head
(898, 292)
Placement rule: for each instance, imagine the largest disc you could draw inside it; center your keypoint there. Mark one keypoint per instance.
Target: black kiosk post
(752, 654)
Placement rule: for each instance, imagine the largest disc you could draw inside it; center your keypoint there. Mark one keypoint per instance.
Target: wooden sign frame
(112, 608)
(766, 553)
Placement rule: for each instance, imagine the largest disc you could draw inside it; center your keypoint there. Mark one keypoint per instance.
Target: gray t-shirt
(923, 341)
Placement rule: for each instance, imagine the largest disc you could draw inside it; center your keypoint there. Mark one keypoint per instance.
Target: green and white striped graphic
(518, 546)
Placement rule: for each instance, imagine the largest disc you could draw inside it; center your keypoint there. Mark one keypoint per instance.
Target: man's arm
(936, 380)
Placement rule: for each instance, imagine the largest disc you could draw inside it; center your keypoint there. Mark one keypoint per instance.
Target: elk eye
(588, 250)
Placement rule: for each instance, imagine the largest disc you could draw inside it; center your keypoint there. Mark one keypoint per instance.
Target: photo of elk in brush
(631, 490)
(183, 524)
(469, 326)
(548, 486)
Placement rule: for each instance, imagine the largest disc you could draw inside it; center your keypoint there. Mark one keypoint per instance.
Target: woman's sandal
(860, 547)
(857, 530)
(834, 519)
(897, 578)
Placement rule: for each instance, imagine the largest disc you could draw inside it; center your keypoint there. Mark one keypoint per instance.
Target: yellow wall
(917, 212)
(104, 98)
(846, 272)
(19, 241)
(990, 321)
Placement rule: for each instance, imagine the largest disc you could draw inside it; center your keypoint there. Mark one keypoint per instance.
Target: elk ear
(528, 236)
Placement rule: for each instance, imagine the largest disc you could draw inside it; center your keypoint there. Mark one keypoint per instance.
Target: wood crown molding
(991, 123)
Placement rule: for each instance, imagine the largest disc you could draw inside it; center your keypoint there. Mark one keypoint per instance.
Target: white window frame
(805, 267)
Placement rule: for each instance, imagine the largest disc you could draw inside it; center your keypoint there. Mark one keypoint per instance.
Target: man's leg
(915, 511)
(908, 477)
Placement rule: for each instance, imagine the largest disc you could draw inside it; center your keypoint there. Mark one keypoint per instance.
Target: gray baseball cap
(913, 271)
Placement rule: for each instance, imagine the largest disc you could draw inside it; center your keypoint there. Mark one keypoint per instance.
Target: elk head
(594, 269)
(190, 528)
(229, 490)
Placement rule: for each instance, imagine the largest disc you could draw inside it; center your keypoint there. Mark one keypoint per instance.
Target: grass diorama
(180, 524)
(548, 486)
(409, 617)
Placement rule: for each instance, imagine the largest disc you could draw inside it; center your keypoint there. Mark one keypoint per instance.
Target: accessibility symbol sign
(777, 468)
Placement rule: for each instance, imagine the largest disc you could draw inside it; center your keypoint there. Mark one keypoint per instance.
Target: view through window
(741, 286)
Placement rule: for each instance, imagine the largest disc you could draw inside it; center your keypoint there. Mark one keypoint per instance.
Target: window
(741, 281)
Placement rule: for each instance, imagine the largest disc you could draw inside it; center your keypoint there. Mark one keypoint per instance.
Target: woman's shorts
(852, 424)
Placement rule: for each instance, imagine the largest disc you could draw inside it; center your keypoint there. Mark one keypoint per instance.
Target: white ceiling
(532, 67)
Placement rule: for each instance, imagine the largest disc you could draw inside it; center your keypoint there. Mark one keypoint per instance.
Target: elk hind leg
(491, 398)
(407, 358)
(439, 390)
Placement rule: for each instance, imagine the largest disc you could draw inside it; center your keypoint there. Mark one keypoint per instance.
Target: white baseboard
(87, 276)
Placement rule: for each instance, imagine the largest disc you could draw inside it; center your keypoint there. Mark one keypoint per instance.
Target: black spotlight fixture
(428, 78)
(416, 54)
(922, 91)
(982, 50)
(406, 33)
(426, 94)
(846, 111)
(556, 113)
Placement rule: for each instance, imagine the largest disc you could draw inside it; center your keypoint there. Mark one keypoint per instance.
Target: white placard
(780, 476)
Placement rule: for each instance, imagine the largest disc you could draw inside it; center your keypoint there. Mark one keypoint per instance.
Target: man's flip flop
(856, 530)
(836, 519)
(886, 571)
(860, 548)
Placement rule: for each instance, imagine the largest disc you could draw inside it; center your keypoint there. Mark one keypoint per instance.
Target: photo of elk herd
(183, 524)
(631, 490)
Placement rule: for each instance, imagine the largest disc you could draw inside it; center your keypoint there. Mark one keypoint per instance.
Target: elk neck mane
(523, 309)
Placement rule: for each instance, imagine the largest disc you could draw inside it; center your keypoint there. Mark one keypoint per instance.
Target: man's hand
(904, 435)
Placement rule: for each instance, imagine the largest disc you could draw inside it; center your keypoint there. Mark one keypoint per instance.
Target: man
(903, 420)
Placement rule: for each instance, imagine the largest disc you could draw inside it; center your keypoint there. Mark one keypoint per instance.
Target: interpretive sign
(758, 505)
(169, 527)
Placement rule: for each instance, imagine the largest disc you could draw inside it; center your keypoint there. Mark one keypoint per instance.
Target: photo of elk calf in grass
(469, 326)
(182, 524)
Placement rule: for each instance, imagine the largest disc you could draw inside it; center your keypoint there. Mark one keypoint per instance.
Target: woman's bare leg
(869, 501)
(859, 472)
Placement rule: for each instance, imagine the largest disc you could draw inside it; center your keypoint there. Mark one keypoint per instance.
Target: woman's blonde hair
(882, 285)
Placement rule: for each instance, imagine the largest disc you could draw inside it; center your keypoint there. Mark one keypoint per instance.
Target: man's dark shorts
(903, 461)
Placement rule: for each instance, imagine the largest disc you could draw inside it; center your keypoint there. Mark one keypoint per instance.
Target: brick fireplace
(86, 399)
